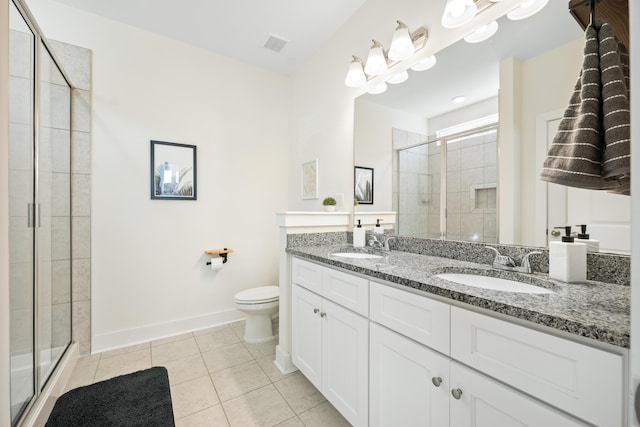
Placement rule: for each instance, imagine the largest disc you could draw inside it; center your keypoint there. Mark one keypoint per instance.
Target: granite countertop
(595, 310)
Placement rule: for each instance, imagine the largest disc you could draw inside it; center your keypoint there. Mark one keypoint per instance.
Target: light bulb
(456, 9)
(425, 64)
(458, 13)
(526, 9)
(355, 75)
(378, 89)
(401, 44)
(376, 62)
(399, 78)
(483, 33)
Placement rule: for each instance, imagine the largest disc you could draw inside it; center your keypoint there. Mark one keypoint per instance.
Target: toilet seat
(260, 295)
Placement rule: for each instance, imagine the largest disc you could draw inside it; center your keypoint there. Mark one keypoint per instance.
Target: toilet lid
(258, 295)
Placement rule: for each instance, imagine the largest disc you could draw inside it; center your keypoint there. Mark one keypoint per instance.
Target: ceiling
(239, 29)
(235, 28)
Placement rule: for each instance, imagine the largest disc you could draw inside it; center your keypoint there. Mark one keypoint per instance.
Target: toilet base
(258, 329)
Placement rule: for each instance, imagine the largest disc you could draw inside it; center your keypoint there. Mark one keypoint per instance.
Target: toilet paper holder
(221, 252)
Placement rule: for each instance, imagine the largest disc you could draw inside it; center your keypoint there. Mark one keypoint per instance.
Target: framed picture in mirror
(363, 185)
(310, 180)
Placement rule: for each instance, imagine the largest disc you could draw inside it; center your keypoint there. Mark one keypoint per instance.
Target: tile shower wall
(471, 186)
(76, 61)
(416, 186)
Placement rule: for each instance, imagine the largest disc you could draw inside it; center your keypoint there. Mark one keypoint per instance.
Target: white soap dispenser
(359, 236)
(377, 229)
(568, 259)
(592, 244)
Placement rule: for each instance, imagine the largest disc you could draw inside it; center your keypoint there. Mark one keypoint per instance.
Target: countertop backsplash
(608, 268)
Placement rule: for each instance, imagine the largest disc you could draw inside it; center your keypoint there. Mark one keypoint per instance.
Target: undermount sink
(493, 283)
(359, 255)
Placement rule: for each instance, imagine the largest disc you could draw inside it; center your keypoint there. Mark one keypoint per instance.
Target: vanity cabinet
(330, 343)
(411, 382)
(421, 361)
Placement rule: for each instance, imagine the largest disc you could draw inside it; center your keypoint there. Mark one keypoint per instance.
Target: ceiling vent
(275, 43)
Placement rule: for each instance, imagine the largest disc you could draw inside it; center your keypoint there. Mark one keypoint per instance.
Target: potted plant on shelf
(329, 204)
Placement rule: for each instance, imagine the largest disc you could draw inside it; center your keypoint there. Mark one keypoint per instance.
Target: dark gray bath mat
(142, 398)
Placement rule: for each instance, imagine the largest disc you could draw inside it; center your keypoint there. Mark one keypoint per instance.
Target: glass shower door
(21, 203)
(53, 193)
(40, 213)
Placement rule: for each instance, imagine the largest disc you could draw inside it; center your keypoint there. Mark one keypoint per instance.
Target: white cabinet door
(345, 361)
(483, 402)
(306, 334)
(582, 380)
(409, 383)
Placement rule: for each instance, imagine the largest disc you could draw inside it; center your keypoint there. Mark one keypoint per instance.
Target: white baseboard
(283, 362)
(115, 340)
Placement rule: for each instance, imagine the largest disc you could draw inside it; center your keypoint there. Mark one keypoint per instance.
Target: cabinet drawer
(417, 317)
(485, 402)
(576, 378)
(347, 290)
(306, 274)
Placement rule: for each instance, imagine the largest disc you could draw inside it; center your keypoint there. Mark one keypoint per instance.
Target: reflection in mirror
(524, 75)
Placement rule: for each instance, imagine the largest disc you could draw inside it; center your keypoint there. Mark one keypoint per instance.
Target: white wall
(148, 271)
(373, 147)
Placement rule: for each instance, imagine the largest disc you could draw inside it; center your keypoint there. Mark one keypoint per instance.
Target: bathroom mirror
(537, 62)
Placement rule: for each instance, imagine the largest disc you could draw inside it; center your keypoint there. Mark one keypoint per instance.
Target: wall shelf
(614, 12)
(222, 252)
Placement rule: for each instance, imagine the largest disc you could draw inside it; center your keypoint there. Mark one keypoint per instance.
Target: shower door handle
(31, 215)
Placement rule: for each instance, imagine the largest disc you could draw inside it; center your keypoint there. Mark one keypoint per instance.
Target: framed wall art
(173, 171)
(310, 180)
(363, 185)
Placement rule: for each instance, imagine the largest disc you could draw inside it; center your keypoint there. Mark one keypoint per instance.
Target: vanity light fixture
(425, 63)
(355, 75)
(402, 46)
(382, 87)
(376, 61)
(458, 13)
(402, 76)
(482, 33)
(526, 9)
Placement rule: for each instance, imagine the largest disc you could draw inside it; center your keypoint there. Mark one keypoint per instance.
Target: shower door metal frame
(34, 211)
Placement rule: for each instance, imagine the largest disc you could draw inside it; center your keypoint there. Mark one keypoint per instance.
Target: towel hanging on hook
(591, 148)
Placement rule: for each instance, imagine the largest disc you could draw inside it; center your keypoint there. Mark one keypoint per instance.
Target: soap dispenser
(377, 229)
(592, 244)
(359, 236)
(568, 259)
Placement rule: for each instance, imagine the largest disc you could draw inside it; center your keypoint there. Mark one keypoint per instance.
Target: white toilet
(259, 304)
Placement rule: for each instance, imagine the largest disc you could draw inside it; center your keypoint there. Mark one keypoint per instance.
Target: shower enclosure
(39, 210)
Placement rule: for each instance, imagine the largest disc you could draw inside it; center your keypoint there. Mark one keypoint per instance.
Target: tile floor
(218, 380)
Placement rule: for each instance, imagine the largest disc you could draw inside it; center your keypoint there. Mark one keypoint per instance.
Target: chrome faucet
(505, 262)
(380, 241)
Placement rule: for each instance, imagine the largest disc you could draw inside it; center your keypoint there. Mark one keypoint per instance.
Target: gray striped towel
(592, 146)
